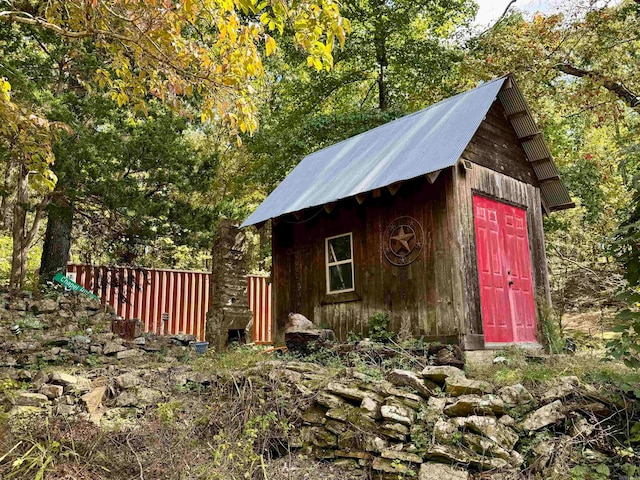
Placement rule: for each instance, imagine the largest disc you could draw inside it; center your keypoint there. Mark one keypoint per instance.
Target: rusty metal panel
(259, 294)
(147, 294)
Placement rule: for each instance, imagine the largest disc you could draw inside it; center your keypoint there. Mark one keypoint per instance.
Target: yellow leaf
(239, 141)
(270, 45)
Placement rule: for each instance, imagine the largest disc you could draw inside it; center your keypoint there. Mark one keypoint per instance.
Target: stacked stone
(70, 328)
(436, 424)
(110, 397)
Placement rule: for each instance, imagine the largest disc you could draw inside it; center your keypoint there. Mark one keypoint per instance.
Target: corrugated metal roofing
(414, 145)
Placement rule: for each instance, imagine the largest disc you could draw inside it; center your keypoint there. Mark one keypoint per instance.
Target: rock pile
(70, 328)
(436, 424)
(110, 397)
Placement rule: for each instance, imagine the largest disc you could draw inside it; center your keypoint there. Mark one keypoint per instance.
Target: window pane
(340, 248)
(340, 277)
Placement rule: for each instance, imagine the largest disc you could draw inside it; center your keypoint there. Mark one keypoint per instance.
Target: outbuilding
(434, 218)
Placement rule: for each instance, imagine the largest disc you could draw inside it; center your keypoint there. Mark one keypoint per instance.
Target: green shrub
(378, 327)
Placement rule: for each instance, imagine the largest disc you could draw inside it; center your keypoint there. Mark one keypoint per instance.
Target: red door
(504, 268)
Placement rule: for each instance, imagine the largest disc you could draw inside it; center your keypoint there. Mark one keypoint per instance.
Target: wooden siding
(483, 181)
(496, 146)
(421, 297)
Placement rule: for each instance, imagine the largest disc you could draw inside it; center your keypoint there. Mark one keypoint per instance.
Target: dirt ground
(596, 324)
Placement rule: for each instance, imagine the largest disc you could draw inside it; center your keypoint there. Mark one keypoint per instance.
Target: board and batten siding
(420, 297)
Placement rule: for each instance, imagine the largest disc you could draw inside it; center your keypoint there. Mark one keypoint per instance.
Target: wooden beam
(377, 193)
(361, 197)
(433, 176)
(328, 207)
(298, 216)
(394, 187)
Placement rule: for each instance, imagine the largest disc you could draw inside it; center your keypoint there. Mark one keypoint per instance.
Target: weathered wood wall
(436, 296)
(419, 296)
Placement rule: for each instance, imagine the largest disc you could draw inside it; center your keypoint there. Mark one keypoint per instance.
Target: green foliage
(33, 262)
(378, 327)
(551, 332)
(39, 458)
(167, 411)
(584, 472)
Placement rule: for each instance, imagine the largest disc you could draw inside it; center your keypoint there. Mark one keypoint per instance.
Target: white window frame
(329, 264)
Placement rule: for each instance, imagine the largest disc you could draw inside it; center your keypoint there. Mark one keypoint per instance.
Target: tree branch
(28, 239)
(615, 87)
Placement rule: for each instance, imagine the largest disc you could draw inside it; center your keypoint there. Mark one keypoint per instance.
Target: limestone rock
(47, 305)
(64, 379)
(297, 322)
(371, 407)
(138, 397)
(485, 447)
(515, 395)
(445, 432)
(565, 387)
(439, 373)
(93, 399)
(127, 380)
(580, 427)
(51, 391)
(398, 414)
(323, 438)
(111, 348)
(349, 393)
(459, 455)
(476, 405)
(407, 457)
(124, 354)
(396, 431)
(406, 378)
(389, 466)
(456, 386)
(490, 428)
(314, 415)
(439, 471)
(507, 421)
(335, 426)
(29, 399)
(411, 400)
(330, 401)
(547, 415)
(183, 339)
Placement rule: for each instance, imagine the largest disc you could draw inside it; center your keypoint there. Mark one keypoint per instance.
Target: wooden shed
(434, 218)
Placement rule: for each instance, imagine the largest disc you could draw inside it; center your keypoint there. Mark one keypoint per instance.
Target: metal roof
(417, 144)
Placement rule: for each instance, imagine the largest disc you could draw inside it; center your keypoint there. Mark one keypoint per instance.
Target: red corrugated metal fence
(147, 294)
(259, 291)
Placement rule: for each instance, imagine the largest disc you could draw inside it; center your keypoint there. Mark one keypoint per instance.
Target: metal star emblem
(402, 239)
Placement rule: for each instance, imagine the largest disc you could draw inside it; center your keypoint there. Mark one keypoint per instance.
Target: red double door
(504, 268)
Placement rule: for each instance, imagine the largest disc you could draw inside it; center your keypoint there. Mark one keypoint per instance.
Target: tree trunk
(380, 41)
(57, 239)
(5, 206)
(19, 252)
(23, 236)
